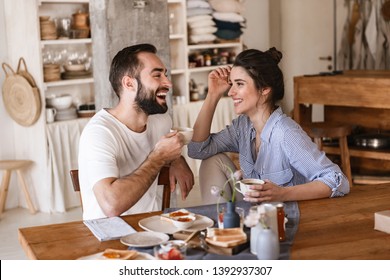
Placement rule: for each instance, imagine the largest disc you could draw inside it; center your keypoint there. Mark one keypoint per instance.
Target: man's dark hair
(126, 62)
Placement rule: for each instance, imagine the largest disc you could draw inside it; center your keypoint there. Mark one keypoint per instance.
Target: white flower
(252, 219)
(216, 191)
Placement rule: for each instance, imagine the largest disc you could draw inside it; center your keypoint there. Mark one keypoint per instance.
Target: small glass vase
(267, 245)
(231, 219)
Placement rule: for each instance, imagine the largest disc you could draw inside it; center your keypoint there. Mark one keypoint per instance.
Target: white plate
(158, 224)
(144, 239)
(99, 256)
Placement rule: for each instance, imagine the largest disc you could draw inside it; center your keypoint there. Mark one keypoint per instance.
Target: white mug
(50, 114)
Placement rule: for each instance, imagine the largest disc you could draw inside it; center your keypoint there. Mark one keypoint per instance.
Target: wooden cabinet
(359, 98)
(184, 72)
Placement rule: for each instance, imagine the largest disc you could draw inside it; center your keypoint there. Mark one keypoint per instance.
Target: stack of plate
(51, 72)
(48, 28)
(66, 114)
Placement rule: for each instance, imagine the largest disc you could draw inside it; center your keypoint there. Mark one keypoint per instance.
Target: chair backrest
(163, 179)
(74, 175)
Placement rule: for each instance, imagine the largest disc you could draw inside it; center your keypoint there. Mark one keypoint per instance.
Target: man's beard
(146, 101)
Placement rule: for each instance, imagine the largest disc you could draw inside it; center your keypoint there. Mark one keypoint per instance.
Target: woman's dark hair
(263, 68)
(126, 62)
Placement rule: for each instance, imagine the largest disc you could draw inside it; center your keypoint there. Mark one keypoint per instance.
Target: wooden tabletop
(69, 241)
(343, 228)
(339, 228)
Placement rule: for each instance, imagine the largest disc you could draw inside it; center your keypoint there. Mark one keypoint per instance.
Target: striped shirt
(287, 155)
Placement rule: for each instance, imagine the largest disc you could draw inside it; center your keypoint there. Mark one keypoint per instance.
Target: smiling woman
(271, 146)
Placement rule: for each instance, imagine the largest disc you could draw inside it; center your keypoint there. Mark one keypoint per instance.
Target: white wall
(257, 14)
(6, 139)
(7, 148)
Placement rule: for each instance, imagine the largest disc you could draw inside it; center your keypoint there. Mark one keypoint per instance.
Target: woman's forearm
(203, 122)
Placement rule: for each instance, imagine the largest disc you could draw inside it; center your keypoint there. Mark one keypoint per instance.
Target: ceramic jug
(267, 245)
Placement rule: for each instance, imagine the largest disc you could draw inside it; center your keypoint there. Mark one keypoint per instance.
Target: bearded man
(122, 149)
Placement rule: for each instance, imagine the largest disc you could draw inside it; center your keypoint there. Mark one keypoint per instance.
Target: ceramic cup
(50, 114)
(187, 132)
(246, 183)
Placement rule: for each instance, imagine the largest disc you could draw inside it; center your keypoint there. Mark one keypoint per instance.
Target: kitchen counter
(358, 98)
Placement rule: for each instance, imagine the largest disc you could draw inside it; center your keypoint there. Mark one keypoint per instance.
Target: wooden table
(343, 228)
(69, 241)
(339, 228)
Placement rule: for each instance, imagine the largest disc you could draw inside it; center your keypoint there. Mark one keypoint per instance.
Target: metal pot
(373, 141)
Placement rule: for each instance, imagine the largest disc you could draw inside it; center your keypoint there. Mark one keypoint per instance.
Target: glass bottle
(207, 59)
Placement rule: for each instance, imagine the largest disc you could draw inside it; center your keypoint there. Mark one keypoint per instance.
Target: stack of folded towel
(201, 27)
(228, 19)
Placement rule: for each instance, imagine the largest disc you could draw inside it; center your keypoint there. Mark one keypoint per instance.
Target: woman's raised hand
(219, 81)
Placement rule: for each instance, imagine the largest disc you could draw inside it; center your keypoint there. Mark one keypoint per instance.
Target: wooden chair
(163, 179)
(320, 130)
(8, 166)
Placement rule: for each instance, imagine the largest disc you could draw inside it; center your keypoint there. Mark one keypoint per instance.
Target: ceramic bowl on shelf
(74, 67)
(59, 102)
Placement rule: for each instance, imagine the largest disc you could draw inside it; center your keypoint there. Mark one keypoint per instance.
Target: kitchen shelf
(69, 82)
(205, 68)
(215, 46)
(181, 73)
(66, 42)
(62, 1)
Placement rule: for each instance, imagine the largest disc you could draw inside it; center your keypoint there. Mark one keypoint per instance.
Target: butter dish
(382, 221)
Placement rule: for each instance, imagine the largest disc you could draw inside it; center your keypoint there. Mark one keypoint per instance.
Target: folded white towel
(232, 17)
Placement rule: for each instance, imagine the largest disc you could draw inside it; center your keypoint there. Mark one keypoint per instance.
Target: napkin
(382, 221)
(109, 228)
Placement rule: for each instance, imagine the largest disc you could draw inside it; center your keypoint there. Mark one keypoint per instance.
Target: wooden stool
(8, 166)
(320, 130)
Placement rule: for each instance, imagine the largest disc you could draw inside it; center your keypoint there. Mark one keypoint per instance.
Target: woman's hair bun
(275, 54)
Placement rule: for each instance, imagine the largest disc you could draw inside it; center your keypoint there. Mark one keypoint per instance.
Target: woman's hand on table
(268, 191)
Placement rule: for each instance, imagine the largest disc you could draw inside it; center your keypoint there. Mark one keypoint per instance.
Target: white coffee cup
(246, 183)
(50, 114)
(187, 132)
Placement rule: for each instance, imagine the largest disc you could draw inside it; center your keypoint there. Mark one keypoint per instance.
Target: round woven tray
(21, 100)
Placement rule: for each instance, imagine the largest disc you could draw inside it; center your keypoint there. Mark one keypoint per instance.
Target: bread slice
(120, 254)
(226, 237)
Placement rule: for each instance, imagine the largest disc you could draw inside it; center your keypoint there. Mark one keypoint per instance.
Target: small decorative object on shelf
(80, 27)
